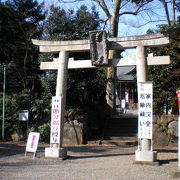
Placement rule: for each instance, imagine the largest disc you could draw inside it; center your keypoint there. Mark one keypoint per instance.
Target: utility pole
(4, 93)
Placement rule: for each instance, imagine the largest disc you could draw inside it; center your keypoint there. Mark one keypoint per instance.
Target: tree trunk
(173, 12)
(166, 12)
(111, 72)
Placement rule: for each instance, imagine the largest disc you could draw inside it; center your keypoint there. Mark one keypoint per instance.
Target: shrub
(39, 113)
(44, 131)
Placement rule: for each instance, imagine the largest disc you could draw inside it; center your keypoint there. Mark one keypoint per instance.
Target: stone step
(120, 142)
(107, 136)
(124, 116)
(128, 122)
(119, 128)
(122, 138)
(123, 120)
(122, 126)
(120, 133)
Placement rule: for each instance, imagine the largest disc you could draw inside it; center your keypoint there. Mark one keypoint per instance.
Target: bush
(13, 104)
(39, 113)
(44, 131)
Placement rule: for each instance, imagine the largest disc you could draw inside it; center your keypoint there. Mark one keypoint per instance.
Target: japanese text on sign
(145, 97)
(32, 142)
(55, 119)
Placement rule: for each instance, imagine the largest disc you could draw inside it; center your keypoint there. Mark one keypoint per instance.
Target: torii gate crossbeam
(152, 40)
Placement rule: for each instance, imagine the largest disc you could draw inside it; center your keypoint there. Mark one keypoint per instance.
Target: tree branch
(151, 21)
(72, 1)
(104, 7)
(123, 5)
(136, 11)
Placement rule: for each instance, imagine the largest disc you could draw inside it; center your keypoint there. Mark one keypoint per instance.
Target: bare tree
(113, 10)
(170, 19)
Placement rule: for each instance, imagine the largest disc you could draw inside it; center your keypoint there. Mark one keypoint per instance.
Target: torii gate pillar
(144, 153)
(56, 150)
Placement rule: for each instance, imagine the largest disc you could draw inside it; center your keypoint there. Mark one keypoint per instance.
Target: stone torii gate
(99, 46)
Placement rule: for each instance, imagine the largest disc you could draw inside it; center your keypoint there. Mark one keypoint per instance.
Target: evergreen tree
(85, 86)
(166, 78)
(20, 21)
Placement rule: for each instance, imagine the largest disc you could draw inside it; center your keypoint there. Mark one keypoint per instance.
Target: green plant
(168, 131)
(44, 131)
(41, 109)
(13, 104)
(71, 113)
(162, 125)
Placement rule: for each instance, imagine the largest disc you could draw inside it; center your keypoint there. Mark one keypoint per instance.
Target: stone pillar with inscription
(57, 120)
(144, 152)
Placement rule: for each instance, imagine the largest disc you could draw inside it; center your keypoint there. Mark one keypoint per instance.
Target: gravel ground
(84, 163)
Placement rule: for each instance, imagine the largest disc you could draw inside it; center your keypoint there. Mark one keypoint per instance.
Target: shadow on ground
(97, 156)
(80, 152)
(167, 161)
(13, 148)
(74, 152)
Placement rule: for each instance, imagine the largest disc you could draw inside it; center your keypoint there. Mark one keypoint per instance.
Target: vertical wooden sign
(145, 114)
(55, 119)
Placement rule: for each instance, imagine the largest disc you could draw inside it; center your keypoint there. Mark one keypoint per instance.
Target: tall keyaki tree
(113, 11)
(20, 21)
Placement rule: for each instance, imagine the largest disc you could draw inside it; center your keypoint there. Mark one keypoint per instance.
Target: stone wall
(165, 129)
(74, 133)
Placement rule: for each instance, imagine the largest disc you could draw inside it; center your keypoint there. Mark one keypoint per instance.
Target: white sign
(24, 115)
(32, 142)
(127, 95)
(55, 119)
(123, 103)
(145, 114)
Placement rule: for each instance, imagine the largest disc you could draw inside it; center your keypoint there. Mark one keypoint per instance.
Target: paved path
(84, 163)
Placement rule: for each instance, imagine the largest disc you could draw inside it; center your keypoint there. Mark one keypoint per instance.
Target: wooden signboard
(32, 143)
(55, 119)
(145, 112)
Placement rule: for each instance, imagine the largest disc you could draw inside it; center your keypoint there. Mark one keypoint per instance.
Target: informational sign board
(145, 106)
(127, 95)
(123, 103)
(55, 119)
(24, 115)
(178, 97)
(32, 142)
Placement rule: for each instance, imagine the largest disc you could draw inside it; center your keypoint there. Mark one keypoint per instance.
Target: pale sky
(129, 25)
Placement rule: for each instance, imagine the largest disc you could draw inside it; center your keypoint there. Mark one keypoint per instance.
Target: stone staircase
(121, 130)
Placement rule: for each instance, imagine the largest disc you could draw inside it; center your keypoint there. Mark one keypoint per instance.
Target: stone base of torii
(145, 152)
